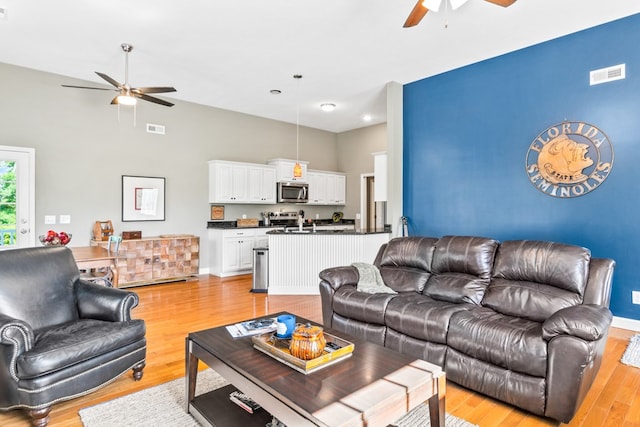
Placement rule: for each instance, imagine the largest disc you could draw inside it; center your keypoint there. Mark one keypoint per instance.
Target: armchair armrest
(16, 332)
(103, 303)
(340, 276)
(587, 321)
(17, 338)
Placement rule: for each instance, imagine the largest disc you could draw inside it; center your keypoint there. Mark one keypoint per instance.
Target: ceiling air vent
(159, 129)
(605, 75)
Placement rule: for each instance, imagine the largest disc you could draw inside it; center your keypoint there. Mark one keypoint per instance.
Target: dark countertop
(278, 224)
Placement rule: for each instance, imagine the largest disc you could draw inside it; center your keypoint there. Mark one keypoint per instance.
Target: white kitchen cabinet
(237, 253)
(236, 182)
(284, 170)
(317, 188)
(227, 182)
(231, 250)
(327, 188)
(336, 189)
(261, 184)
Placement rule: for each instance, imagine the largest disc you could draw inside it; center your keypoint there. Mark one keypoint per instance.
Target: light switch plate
(65, 219)
(635, 297)
(50, 219)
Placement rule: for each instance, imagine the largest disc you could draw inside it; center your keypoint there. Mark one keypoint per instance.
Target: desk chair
(105, 276)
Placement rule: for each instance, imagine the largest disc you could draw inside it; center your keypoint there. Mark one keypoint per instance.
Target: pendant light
(297, 169)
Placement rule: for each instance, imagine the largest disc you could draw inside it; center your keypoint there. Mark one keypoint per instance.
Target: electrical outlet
(635, 297)
(50, 219)
(65, 219)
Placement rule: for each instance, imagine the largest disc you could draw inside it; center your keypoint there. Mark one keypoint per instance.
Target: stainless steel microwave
(293, 192)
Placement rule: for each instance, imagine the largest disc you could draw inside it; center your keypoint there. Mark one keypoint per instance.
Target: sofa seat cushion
(61, 346)
(362, 306)
(513, 343)
(421, 317)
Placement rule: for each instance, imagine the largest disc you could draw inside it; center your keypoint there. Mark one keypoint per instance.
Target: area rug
(163, 405)
(631, 355)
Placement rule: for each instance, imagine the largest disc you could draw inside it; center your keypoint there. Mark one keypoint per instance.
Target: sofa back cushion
(534, 279)
(36, 285)
(405, 265)
(461, 269)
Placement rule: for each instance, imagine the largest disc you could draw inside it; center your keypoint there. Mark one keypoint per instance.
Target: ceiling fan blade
(159, 89)
(153, 99)
(110, 80)
(503, 3)
(88, 87)
(416, 15)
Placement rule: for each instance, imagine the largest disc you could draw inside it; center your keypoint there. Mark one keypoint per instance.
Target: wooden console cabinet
(157, 259)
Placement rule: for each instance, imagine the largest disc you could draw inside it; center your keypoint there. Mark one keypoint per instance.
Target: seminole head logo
(569, 159)
(562, 160)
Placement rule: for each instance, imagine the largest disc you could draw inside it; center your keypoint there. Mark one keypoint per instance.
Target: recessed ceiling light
(328, 107)
(275, 91)
(367, 118)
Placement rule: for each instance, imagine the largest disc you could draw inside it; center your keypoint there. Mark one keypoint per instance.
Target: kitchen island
(296, 258)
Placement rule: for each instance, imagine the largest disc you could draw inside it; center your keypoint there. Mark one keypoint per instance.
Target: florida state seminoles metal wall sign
(569, 159)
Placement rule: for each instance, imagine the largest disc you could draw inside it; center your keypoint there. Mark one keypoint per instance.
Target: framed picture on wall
(143, 198)
(217, 212)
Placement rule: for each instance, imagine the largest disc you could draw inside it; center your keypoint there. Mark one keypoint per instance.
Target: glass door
(17, 199)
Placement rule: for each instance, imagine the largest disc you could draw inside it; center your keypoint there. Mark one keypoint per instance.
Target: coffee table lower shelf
(216, 409)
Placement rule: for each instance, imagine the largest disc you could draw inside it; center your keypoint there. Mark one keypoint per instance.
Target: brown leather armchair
(61, 337)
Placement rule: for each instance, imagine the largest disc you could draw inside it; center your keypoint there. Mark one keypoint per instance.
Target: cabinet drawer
(250, 232)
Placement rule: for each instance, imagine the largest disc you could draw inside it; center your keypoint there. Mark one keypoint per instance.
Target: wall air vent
(605, 75)
(159, 129)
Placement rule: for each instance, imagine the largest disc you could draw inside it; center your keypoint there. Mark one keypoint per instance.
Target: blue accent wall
(467, 132)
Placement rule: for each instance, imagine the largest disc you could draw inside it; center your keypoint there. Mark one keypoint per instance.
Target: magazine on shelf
(252, 327)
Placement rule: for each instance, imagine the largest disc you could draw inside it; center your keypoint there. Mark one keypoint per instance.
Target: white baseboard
(624, 323)
(203, 271)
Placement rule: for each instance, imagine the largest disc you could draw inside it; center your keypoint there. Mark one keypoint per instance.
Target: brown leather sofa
(524, 322)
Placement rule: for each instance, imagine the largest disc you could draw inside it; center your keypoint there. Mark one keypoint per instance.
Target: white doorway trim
(26, 188)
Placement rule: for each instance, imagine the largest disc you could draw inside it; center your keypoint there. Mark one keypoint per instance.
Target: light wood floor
(171, 311)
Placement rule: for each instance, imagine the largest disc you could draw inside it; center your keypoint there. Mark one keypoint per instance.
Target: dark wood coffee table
(376, 385)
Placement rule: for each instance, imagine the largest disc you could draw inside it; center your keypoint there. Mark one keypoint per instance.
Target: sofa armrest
(331, 279)
(340, 276)
(103, 303)
(589, 322)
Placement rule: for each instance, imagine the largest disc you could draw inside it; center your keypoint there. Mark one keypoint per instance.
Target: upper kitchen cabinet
(235, 182)
(284, 170)
(327, 188)
(262, 184)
